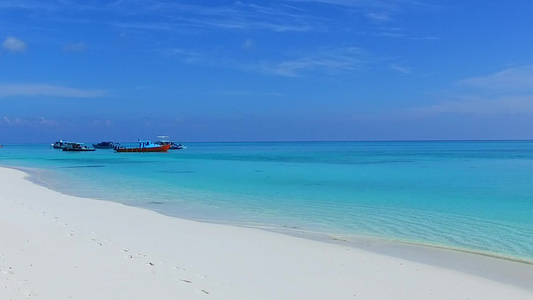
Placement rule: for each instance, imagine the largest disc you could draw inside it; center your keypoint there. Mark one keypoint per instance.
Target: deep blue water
(476, 196)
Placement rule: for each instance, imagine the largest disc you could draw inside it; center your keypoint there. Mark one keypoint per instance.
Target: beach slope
(54, 246)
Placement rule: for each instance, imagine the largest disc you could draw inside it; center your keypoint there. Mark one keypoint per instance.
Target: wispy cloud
(509, 79)
(48, 123)
(248, 44)
(378, 17)
(11, 90)
(75, 47)
(401, 69)
(382, 5)
(9, 121)
(325, 59)
(40, 121)
(509, 91)
(391, 33)
(167, 15)
(14, 45)
(27, 4)
(189, 56)
(145, 17)
(240, 16)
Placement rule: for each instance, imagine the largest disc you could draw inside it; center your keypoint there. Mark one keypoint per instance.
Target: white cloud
(508, 79)
(10, 90)
(48, 123)
(378, 17)
(400, 69)
(174, 16)
(9, 121)
(329, 60)
(187, 56)
(41, 121)
(248, 44)
(389, 6)
(509, 91)
(326, 59)
(75, 47)
(20, 4)
(14, 45)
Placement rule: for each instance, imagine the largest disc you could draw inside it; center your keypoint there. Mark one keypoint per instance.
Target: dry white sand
(54, 246)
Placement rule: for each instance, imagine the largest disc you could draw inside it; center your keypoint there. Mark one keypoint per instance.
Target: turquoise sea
(469, 195)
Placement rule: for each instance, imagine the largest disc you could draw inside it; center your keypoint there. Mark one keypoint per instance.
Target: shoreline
(481, 264)
(198, 260)
(327, 237)
(363, 241)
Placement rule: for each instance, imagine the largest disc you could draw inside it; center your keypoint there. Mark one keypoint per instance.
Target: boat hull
(78, 150)
(106, 145)
(163, 148)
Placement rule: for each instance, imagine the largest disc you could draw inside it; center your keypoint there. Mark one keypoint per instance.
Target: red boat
(144, 146)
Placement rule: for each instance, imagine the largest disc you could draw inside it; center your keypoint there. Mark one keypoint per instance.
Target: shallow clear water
(476, 196)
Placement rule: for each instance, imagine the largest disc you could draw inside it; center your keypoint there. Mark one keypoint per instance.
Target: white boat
(59, 144)
(76, 147)
(106, 145)
(164, 140)
(144, 146)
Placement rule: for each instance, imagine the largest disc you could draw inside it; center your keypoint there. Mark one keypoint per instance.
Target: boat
(144, 146)
(70, 146)
(106, 145)
(59, 144)
(178, 146)
(164, 140)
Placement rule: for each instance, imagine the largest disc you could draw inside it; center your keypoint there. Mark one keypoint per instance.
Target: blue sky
(265, 70)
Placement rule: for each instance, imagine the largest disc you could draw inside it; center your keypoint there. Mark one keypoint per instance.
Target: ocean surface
(468, 195)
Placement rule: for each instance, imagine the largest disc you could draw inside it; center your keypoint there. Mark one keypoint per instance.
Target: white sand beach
(54, 246)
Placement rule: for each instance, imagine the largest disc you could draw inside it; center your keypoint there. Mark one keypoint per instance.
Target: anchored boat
(164, 140)
(106, 145)
(59, 144)
(76, 147)
(144, 146)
